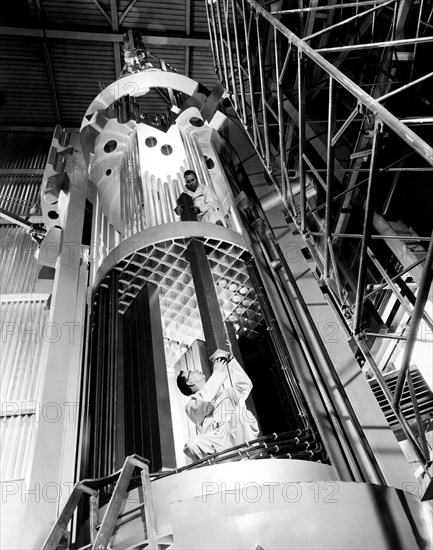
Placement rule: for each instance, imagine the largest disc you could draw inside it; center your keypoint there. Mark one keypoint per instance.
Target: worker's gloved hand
(195, 209)
(178, 210)
(219, 364)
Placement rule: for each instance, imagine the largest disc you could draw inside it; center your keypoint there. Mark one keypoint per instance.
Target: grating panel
(422, 391)
(164, 264)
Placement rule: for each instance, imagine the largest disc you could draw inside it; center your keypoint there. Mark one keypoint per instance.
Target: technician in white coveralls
(217, 408)
(205, 202)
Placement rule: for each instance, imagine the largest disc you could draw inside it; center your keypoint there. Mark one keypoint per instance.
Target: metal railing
(320, 121)
(100, 532)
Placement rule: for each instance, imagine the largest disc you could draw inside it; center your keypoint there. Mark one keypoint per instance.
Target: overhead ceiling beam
(48, 64)
(116, 45)
(187, 32)
(18, 128)
(127, 10)
(102, 10)
(150, 39)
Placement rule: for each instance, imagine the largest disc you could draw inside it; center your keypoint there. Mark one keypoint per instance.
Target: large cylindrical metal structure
(168, 293)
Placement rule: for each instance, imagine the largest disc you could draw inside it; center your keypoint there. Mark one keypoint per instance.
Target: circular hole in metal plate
(195, 121)
(110, 146)
(150, 141)
(166, 150)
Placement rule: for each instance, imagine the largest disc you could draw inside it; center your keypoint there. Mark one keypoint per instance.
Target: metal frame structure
(314, 124)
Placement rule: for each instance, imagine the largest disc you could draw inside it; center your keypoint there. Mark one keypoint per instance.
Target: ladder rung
(145, 541)
(131, 511)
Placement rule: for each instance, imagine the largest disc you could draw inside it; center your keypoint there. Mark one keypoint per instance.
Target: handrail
(100, 537)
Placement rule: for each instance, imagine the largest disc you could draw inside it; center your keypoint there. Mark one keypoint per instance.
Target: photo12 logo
(270, 492)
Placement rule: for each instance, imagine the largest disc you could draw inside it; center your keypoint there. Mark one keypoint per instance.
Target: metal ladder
(100, 532)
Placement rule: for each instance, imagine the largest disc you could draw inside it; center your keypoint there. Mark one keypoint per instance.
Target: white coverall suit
(205, 200)
(220, 414)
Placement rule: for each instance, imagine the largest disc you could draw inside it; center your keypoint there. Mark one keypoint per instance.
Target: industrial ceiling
(57, 55)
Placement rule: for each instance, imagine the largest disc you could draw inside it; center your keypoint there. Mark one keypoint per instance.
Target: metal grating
(424, 399)
(164, 264)
(236, 295)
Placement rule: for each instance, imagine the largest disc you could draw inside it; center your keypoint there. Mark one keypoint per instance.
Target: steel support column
(421, 299)
(330, 161)
(368, 218)
(214, 329)
(301, 102)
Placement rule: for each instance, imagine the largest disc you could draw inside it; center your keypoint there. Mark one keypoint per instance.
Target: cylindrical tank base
(277, 503)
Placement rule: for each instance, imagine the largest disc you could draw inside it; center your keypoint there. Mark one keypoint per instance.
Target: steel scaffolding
(316, 88)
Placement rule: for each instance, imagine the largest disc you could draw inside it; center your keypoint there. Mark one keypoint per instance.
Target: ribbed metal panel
(198, 17)
(19, 194)
(16, 433)
(18, 265)
(24, 149)
(152, 103)
(23, 322)
(21, 11)
(173, 55)
(26, 97)
(80, 68)
(61, 13)
(23, 333)
(202, 67)
(105, 239)
(155, 17)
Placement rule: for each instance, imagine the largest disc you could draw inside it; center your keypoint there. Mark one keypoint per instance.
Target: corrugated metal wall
(59, 12)
(18, 266)
(19, 194)
(22, 161)
(156, 17)
(17, 434)
(23, 314)
(23, 332)
(104, 239)
(79, 68)
(25, 85)
(23, 327)
(24, 149)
